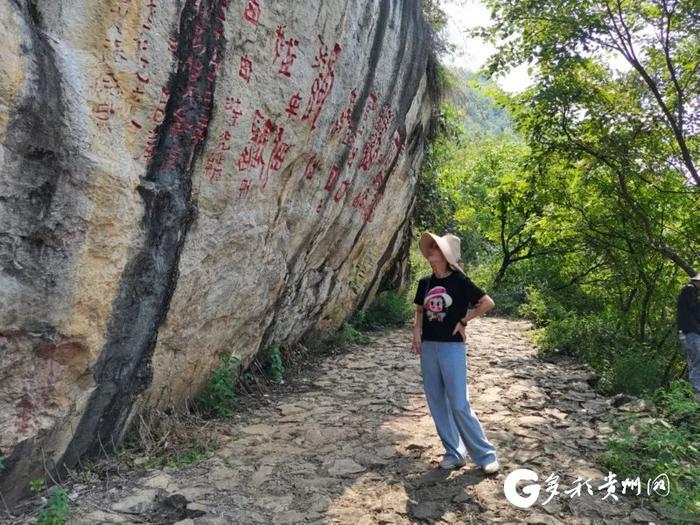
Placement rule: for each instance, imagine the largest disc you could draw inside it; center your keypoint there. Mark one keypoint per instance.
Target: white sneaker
(491, 467)
(450, 463)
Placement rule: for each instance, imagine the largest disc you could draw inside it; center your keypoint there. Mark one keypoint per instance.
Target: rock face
(187, 178)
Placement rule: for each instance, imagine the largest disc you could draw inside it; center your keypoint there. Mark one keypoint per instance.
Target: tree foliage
(586, 218)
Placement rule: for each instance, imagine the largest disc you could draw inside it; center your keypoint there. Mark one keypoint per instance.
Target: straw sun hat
(449, 246)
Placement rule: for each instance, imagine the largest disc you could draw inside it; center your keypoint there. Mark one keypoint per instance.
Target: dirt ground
(352, 441)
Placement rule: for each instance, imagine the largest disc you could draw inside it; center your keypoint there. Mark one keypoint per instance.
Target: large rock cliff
(182, 178)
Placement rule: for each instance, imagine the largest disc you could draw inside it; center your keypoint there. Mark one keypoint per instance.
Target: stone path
(354, 443)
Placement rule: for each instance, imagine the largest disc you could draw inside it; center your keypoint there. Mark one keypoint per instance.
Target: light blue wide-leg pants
(444, 368)
(691, 343)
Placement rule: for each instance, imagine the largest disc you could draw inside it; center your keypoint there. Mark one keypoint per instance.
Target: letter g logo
(533, 491)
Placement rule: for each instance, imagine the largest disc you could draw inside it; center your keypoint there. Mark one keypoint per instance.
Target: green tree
(659, 39)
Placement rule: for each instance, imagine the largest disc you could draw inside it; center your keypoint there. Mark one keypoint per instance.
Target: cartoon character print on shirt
(436, 303)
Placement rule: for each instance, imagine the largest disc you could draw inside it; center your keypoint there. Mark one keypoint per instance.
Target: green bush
(508, 297)
(276, 365)
(667, 444)
(595, 339)
(56, 510)
(346, 335)
(541, 309)
(218, 398)
(624, 364)
(2, 464)
(637, 372)
(390, 308)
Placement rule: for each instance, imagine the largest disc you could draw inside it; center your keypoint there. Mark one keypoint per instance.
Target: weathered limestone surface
(185, 178)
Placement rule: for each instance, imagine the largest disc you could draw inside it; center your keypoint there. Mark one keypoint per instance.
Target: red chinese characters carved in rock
(103, 113)
(151, 142)
(232, 106)
(114, 47)
(244, 187)
(213, 166)
(252, 11)
(143, 45)
(110, 85)
(370, 106)
(378, 179)
(294, 105)
(368, 214)
(246, 69)
(198, 45)
(252, 155)
(150, 19)
(313, 166)
(335, 171)
(360, 200)
(157, 119)
(284, 52)
(172, 44)
(370, 151)
(181, 125)
(341, 191)
(344, 121)
(121, 8)
(200, 130)
(159, 112)
(396, 148)
(323, 83)
(277, 156)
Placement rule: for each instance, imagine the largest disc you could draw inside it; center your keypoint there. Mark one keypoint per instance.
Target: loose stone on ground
(357, 444)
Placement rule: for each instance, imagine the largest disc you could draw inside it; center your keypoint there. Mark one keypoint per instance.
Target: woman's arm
(418, 319)
(417, 329)
(485, 305)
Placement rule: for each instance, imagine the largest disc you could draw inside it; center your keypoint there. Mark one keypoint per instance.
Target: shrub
(665, 445)
(56, 509)
(637, 372)
(219, 397)
(508, 297)
(624, 364)
(390, 308)
(276, 365)
(347, 334)
(539, 308)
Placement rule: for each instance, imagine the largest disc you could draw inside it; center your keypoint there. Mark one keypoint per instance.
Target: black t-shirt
(445, 301)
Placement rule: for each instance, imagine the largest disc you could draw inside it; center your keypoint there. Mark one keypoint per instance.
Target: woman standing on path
(442, 300)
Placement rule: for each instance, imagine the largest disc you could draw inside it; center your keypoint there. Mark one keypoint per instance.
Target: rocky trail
(352, 441)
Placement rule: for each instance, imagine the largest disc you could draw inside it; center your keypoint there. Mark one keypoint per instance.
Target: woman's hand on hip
(459, 327)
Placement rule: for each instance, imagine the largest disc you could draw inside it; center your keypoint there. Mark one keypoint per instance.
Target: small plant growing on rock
(2, 464)
(56, 509)
(276, 365)
(37, 485)
(219, 397)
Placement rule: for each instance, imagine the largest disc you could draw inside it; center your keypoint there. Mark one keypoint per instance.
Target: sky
(472, 53)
